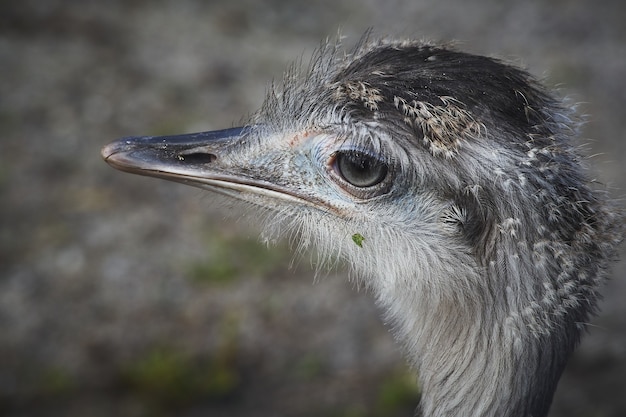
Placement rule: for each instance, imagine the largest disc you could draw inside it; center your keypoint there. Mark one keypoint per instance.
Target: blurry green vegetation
(233, 257)
(40, 383)
(166, 378)
(55, 382)
(309, 367)
(399, 390)
(397, 394)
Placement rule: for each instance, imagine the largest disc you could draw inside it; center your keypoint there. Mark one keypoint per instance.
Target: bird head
(411, 161)
(449, 182)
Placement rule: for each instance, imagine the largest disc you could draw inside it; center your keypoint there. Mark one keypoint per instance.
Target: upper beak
(202, 159)
(186, 157)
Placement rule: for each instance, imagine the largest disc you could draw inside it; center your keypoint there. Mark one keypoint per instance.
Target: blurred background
(129, 296)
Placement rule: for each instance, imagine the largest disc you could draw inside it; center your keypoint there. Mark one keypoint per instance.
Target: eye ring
(360, 173)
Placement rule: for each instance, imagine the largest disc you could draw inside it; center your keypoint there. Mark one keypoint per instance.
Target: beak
(198, 159)
(185, 158)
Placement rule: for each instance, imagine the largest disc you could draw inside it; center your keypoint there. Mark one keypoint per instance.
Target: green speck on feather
(358, 239)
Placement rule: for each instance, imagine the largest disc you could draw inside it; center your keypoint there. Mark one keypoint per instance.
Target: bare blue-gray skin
(477, 229)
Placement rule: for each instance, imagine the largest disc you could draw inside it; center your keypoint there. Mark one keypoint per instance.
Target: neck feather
(473, 357)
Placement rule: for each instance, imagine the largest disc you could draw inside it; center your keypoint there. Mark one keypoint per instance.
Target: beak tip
(109, 150)
(105, 152)
(116, 147)
(116, 154)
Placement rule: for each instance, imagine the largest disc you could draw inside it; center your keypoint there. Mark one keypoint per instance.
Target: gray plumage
(450, 183)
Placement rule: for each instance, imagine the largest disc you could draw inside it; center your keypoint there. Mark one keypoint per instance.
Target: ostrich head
(449, 183)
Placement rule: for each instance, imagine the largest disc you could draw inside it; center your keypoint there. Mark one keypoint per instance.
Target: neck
(475, 361)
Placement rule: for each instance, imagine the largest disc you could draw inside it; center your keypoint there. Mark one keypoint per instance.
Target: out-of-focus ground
(128, 296)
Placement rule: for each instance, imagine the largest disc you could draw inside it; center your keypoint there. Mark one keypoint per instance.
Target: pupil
(360, 170)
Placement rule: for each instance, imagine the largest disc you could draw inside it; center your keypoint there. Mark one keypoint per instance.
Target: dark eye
(360, 169)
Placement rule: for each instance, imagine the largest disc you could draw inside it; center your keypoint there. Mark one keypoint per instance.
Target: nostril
(197, 158)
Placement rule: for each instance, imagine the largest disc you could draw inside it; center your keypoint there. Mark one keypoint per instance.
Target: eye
(360, 169)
